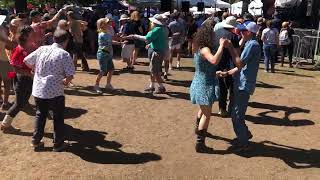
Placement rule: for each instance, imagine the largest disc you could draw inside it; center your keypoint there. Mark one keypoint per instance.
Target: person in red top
(39, 26)
(23, 80)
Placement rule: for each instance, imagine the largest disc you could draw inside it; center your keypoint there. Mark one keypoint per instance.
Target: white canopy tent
(255, 7)
(212, 3)
(287, 3)
(194, 10)
(236, 8)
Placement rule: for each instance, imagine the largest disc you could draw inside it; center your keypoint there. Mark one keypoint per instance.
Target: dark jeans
(226, 85)
(57, 105)
(23, 90)
(270, 53)
(79, 52)
(285, 49)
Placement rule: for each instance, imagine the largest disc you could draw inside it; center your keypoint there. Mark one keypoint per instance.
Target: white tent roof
(287, 3)
(236, 8)
(255, 7)
(212, 3)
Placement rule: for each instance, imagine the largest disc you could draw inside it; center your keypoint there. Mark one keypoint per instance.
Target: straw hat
(157, 19)
(230, 22)
(124, 17)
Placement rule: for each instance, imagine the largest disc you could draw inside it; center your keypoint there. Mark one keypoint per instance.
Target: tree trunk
(21, 6)
(245, 6)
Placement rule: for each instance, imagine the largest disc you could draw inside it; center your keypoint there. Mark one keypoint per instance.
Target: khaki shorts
(175, 47)
(156, 59)
(127, 50)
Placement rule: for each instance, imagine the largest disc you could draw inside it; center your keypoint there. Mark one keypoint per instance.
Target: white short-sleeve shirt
(51, 65)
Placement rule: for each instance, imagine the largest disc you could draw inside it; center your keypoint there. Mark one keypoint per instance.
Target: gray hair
(60, 36)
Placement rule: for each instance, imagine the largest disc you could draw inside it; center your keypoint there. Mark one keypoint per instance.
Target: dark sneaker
(235, 140)
(6, 106)
(10, 129)
(37, 146)
(202, 148)
(60, 147)
(160, 90)
(150, 90)
(223, 113)
(86, 69)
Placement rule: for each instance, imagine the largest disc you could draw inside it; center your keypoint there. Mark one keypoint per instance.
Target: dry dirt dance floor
(132, 135)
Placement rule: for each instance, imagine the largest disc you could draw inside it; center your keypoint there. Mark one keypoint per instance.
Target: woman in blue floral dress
(204, 90)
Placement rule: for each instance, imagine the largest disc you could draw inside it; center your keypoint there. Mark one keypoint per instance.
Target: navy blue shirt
(226, 62)
(245, 80)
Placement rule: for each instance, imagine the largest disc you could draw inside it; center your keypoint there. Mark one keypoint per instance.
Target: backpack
(284, 37)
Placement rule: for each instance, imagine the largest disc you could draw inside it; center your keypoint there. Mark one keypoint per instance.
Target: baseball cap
(248, 26)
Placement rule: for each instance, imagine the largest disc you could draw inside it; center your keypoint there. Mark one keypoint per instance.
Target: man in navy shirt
(245, 76)
(226, 30)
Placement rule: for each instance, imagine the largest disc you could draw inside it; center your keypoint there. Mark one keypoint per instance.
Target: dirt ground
(132, 135)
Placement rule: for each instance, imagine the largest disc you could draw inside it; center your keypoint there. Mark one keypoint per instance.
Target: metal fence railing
(306, 50)
(296, 46)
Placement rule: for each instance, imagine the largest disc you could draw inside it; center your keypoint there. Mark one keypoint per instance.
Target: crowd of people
(39, 54)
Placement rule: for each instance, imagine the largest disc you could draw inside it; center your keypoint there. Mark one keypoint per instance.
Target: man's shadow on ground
(265, 119)
(294, 157)
(91, 146)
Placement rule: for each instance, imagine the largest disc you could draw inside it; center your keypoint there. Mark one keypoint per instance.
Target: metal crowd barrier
(306, 50)
(296, 46)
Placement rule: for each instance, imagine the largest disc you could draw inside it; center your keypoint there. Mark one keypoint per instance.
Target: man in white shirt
(53, 68)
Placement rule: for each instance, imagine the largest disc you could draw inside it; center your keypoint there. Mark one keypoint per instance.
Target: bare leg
(99, 77)
(205, 119)
(135, 56)
(109, 77)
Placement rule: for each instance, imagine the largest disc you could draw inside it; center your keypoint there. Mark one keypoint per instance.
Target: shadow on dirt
(265, 119)
(92, 146)
(294, 157)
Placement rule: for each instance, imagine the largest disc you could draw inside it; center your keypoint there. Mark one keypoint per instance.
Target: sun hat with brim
(124, 17)
(248, 26)
(157, 19)
(230, 22)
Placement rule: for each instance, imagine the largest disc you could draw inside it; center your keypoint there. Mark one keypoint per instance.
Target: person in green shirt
(157, 41)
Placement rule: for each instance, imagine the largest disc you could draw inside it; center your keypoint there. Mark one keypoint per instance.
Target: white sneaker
(109, 87)
(97, 89)
(178, 64)
(170, 67)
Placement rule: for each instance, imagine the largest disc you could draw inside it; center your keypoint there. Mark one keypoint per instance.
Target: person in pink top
(39, 26)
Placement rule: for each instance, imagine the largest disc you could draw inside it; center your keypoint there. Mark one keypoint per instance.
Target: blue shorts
(105, 62)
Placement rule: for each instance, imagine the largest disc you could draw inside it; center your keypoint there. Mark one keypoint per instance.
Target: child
(105, 53)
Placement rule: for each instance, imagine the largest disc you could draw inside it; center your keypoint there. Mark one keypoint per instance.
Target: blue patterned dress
(204, 88)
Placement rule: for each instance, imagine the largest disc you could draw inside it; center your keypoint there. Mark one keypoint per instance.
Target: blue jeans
(240, 104)
(269, 56)
(57, 105)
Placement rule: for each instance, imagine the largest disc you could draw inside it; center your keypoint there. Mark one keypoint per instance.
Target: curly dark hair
(24, 33)
(204, 36)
